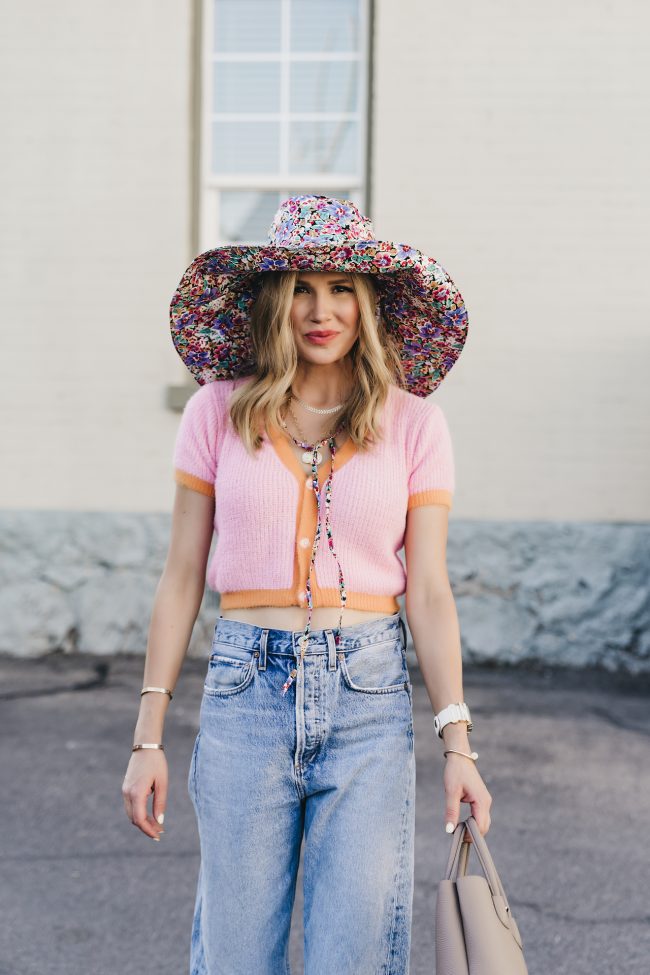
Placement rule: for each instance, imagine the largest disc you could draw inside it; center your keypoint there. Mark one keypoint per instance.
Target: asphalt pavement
(83, 892)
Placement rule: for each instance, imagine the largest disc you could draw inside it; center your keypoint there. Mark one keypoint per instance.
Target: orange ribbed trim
(195, 483)
(247, 598)
(306, 523)
(437, 496)
(285, 452)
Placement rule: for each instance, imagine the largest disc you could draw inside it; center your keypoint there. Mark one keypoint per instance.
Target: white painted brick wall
(509, 142)
(95, 233)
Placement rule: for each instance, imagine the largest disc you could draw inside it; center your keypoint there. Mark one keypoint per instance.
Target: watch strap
(458, 711)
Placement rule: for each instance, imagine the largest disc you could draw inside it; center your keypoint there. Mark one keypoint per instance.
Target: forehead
(323, 276)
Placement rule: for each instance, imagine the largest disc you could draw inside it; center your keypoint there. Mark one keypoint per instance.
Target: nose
(320, 307)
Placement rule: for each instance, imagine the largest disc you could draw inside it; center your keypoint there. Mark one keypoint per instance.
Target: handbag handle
(482, 852)
(460, 849)
(457, 864)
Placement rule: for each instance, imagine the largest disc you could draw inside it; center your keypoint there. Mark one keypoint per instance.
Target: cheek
(351, 311)
(296, 310)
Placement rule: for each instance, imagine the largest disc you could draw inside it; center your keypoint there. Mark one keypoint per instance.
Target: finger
(159, 800)
(155, 826)
(141, 818)
(127, 804)
(452, 810)
(481, 813)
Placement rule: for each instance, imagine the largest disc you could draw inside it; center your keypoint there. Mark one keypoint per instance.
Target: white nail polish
(449, 827)
(160, 818)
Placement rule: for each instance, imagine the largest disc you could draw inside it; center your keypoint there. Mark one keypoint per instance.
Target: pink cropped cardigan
(265, 513)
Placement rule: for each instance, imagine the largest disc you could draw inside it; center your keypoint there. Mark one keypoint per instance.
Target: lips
(320, 335)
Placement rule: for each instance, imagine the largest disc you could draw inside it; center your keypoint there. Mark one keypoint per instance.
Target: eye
(304, 287)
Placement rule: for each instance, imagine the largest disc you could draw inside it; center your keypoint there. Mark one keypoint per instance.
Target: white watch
(452, 713)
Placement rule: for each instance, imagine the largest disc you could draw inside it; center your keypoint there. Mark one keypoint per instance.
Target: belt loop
(331, 650)
(403, 627)
(261, 663)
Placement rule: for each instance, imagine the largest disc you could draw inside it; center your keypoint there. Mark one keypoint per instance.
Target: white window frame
(283, 182)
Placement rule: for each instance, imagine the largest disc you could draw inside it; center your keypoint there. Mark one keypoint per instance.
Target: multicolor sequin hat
(418, 301)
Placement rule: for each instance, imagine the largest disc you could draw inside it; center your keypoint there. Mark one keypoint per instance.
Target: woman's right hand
(146, 773)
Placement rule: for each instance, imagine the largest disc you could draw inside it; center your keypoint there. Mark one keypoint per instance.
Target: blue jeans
(333, 759)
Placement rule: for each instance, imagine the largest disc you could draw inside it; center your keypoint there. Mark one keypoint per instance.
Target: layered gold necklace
(307, 447)
(312, 455)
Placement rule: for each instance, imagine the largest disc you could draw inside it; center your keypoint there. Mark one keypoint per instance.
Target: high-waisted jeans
(332, 759)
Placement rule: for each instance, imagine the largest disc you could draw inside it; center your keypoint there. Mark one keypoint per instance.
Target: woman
(310, 448)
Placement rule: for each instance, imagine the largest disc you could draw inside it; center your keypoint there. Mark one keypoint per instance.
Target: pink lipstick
(320, 338)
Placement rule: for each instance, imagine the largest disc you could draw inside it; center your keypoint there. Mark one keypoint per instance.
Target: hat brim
(420, 305)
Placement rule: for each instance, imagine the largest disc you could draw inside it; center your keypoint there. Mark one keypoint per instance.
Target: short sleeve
(431, 473)
(195, 448)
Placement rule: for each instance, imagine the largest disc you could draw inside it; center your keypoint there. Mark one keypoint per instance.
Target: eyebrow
(335, 281)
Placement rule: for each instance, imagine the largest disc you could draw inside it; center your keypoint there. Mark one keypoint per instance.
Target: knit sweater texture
(265, 512)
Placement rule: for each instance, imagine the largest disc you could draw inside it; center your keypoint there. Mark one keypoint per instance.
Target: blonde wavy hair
(374, 360)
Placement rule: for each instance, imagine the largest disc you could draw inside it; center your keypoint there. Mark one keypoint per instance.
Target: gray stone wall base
(569, 594)
(527, 593)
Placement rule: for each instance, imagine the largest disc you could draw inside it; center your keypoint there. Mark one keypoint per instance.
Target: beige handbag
(476, 933)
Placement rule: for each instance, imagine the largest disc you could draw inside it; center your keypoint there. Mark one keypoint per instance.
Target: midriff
(295, 618)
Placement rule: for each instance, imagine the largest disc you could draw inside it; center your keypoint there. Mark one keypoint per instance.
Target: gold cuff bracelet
(161, 690)
(473, 756)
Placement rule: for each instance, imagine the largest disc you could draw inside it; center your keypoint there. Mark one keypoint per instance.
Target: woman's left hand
(463, 783)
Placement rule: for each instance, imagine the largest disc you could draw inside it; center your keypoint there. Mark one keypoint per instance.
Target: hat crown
(302, 221)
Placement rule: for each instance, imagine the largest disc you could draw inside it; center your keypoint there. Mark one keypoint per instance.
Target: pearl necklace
(316, 409)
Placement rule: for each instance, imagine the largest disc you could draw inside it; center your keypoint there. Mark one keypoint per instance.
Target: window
(284, 110)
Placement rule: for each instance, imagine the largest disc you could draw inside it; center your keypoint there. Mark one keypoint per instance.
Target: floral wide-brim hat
(419, 303)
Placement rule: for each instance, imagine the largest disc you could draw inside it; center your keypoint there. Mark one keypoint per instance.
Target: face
(324, 303)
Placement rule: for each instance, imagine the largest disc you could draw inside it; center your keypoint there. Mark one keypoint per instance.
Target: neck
(322, 386)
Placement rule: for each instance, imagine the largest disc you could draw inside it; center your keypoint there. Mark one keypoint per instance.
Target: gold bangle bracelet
(161, 690)
(473, 756)
(147, 745)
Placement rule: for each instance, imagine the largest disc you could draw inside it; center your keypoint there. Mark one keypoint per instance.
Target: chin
(323, 354)
(324, 359)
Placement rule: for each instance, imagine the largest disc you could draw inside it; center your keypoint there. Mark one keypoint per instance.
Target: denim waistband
(248, 636)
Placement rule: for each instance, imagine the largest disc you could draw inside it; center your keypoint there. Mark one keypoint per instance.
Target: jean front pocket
(377, 668)
(230, 669)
